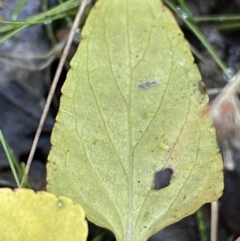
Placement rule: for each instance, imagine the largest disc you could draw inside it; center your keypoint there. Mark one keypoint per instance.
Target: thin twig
(214, 91)
(214, 220)
(55, 81)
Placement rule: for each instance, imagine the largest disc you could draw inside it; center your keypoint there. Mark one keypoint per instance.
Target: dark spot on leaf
(147, 85)
(202, 87)
(162, 178)
(138, 181)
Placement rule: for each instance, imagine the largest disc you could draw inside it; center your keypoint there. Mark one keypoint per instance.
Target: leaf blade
(125, 97)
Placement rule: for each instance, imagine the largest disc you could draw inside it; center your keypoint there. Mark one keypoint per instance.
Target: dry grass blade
(225, 109)
(225, 112)
(23, 61)
(214, 91)
(55, 81)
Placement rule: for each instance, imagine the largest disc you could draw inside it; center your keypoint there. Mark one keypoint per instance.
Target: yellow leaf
(29, 216)
(132, 106)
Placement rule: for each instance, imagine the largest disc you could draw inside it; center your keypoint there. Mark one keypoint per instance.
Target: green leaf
(25, 215)
(132, 106)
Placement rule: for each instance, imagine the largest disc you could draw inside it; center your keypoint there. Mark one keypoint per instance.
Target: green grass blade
(201, 38)
(58, 12)
(25, 183)
(229, 26)
(11, 159)
(18, 9)
(201, 225)
(217, 18)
